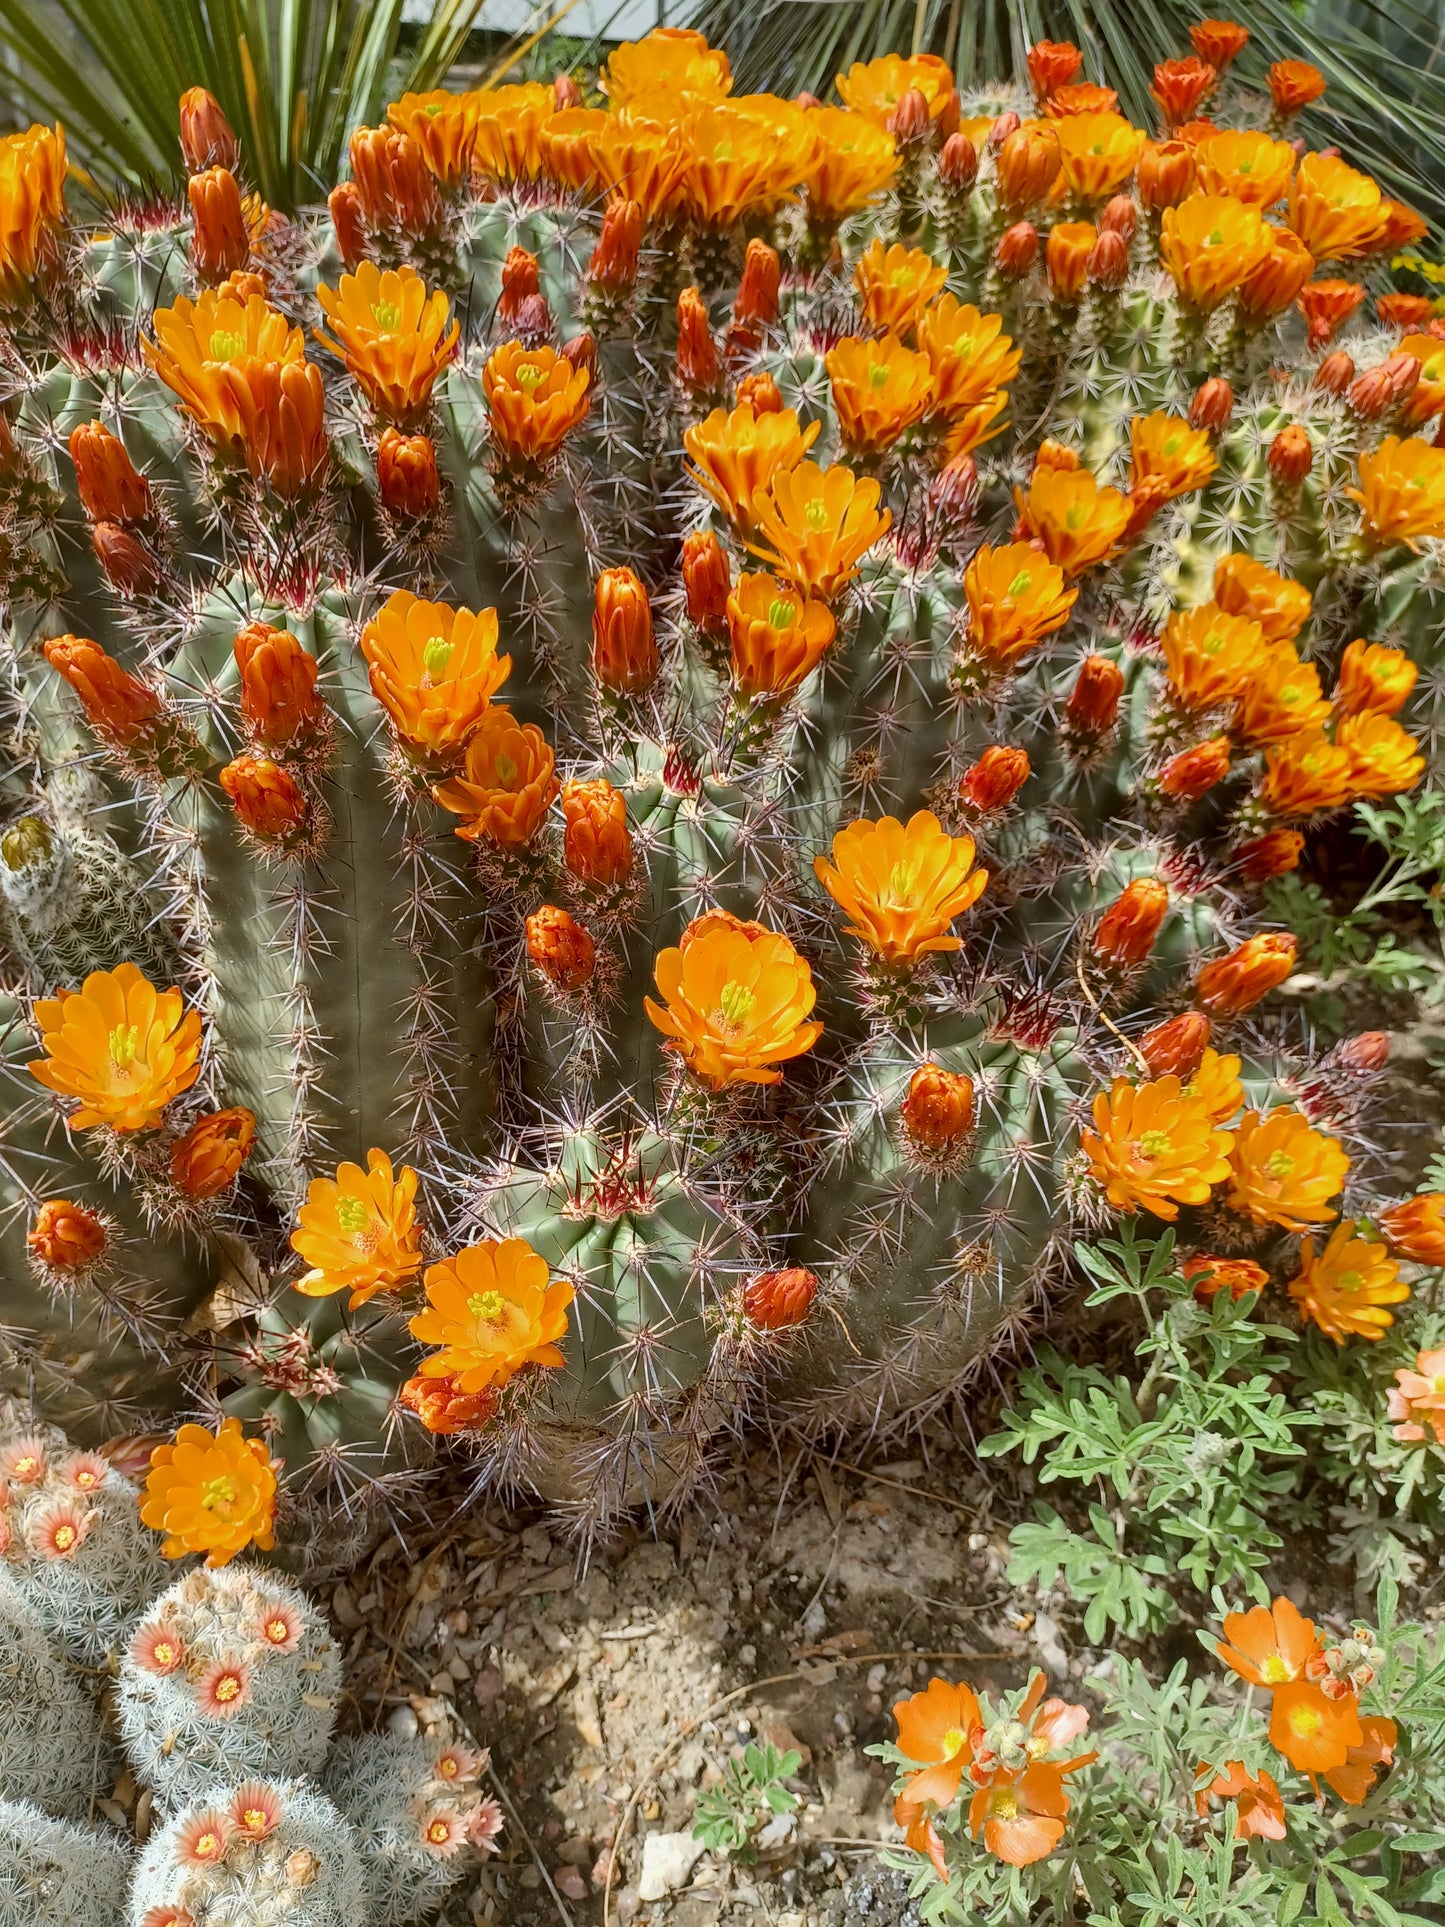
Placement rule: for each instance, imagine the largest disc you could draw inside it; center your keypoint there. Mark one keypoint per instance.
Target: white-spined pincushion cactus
(419, 1818)
(231, 1675)
(260, 1855)
(50, 1742)
(55, 1874)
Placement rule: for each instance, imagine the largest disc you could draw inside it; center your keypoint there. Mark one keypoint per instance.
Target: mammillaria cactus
(54, 1873)
(660, 814)
(50, 1741)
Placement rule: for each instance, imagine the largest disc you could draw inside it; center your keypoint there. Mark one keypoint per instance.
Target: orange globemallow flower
(733, 455)
(736, 1001)
(434, 670)
(1229, 986)
(934, 1731)
(560, 948)
(1246, 164)
(777, 637)
(1209, 656)
(1244, 587)
(267, 800)
(110, 487)
(1333, 209)
(596, 846)
(211, 1492)
(1415, 1228)
(1305, 774)
(1402, 491)
(854, 159)
(1383, 758)
(118, 706)
(1281, 277)
(393, 336)
(1345, 1288)
(1284, 1172)
(1020, 1803)
(1078, 522)
(970, 355)
(1260, 1807)
(1416, 1400)
(1126, 933)
(1281, 699)
(506, 784)
(1209, 1276)
(32, 206)
(279, 702)
(879, 389)
(896, 284)
(535, 398)
(1097, 153)
(875, 87)
(1354, 1780)
(902, 884)
(1154, 1147)
(624, 652)
(66, 1238)
(493, 1309)
(358, 1231)
(1211, 244)
(208, 1159)
(1268, 1645)
(1293, 84)
(821, 522)
(119, 1045)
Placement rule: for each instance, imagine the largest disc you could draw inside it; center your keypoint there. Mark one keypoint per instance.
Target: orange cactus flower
(32, 206)
(358, 1231)
(1093, 705)
(875, 87)
(568, 150)
(279, 702)
(756, 304)
(445, 1410)
(1209, 656)
(934, 1730)
(1167, 459)
(1427, 399)
(970, 355)
(821, 523)
(110, 487)
(1153, 1148)
(66, 1238)
(596, 845)
(1244, 587)
(1284, 1172)
(699, 366)
(1209, 1276)
(434, 670)
(1270, 855)
(1280, 278)
(512, 123)
(854, 159)
(1180, 87)
(211, 1492)
(1315, 1733)
(407, 482)
(1229, 986)
(879, 389)
(1334, 210)
(1165, 174)
(668, 62)
(1052, 64)
(267, 799)
(208, 1159)
(393, 336)
(1306, 774)
(535, 398)
(1416, 1400)
(206, 350)
(1291, 455)
(642, 162)
(121, 1047)
(937, 1114)
(896, 284)
(1354, 1780)
(614, 262)
(560, 948)
(779, 1300)
(493, 1309)
(707, 580)
(1176, 1047)
(1128, 929)
(1383, 756)
(624, 652)
(1218, 41)
(507, 782)
(1067, 254)
(1269, 1645)
(118, 706)
(736, 165)
(1415, 1228)
(444, 128)
(1077, 522)
(1083, 97)
(1259, 1804)
(902, 885)
(1281, 699)
(1345, 1287)
(1245, 164)
(736, 1001)
(1211, 244)
(1016, 597)
(777, 637)
(1402, 491)
(1325, 305)
(220, 242)
(1293, 84)
(1097, 153)
(995, 779)
(734, 455)
(1027, 165)
(1194, 772)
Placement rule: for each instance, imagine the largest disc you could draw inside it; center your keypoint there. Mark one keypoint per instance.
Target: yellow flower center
(506, 772)
(528, 376)
(277, 1631)
(208, 1846)
(438, 1833)
(903, 881)
(253, 1819)
(1279, 1164)
(1215, 239)
(1153, 1144)
(124, 1043)
(781, 613)
(1349, 1281)
(1020, 584)
(218, 1494)
(164, 1652)
(1305, 1720)
(226, 347)
(436, 655)
(1273, 1670)
(1074, 520)
(486, 1305)
(816, 514)
(227, 1688)
(351, 1216)
(64, 1538)
(953, 1741)
(1003, 1803)
(735, 1000)
(432, 110)
(386, 314)
(723, 151)
(878, 375)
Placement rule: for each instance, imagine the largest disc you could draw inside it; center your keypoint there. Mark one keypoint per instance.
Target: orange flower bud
(129, 567)
(1180, 86)
(1196, 770)
(958, 163)
(1404, 311)
(774, 1300)
(1291, 454)
(566, 92)
(1218, 41)
(1052, 64)
(65, 1236)
(1415, 1229)
(999, 132)
(207, 1159)
(1094, 700)
(1270, 855)
(760, 393)
(995, 779)
(110, 488)
(207, 139)
(1231, 985)
(520, 281)
(1278, 278)
(707, 579)
(1028, 165)
(1335, 373)
(349, 223)
(1128, 929)
(443, 1409)
(910, 121)
(1326, 304)
(1108, 262)
(596, 846)
(1293, 84)
(1017, 249)
(757, 302)
(1381, 387)
(581, 351)
(219, 241)
(1119, 217)
(1212, 406)
(1176, 1047)
(1165, 173)
(406, 474)
(279, 700)
(1067, 258)
(624, 654)
(1209, 1276)
(560, 948)
(938, 1110)
(698, 365)
(613, 267)
(1367, 1050)
(117, 705)
(267, 799)
(398, 192)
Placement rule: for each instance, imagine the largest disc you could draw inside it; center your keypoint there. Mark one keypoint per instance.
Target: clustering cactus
(50, 1735)
(619, 733)
(54, 1873)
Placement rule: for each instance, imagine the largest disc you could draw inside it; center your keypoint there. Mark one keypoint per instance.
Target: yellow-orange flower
(902, 884)
(1416, 1228)
(1334, 210)
(1280, 699)
(358, 1231)
(641, 161)
(444, 127)
(1246, 164)
(875, 87)
(512, 123)
(1244, 587)
(1167, 458)
(1078, 522)
(493, 1309)
(507, 782)
(211, 1492)
(970, 355)
(669, 63)
(821, 523)
(1269, 1646)
(1209, 656)
(1211, 244)
(1345, 1288)
(1293, 84)
(1402, 491)
(1153, 1148)
(119, 1045)
(777, 637)
(879, 389)
(1284, 1172)
(1216, 1085)
(32, 204)
(896, 284)
(1416, 1401)
(739, 163)
(736, 1001)
(1373, 679)
(392, 335)
(535, 398)
(1427, 398)
(1305, 774)
(854, 159)
(569, 146)
(734, 455)
(1280, 278)
(235, 366)
(1016, 597)
(433, 669)
(1383, 757)
(1098, 153)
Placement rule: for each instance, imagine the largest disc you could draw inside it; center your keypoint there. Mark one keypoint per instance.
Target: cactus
(50, 1741)
(231, 1674)
(657, 844)
(56, 1874)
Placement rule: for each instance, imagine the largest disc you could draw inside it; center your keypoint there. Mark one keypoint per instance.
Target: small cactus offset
(50, 1737)
(649, 751)
(54, 1873)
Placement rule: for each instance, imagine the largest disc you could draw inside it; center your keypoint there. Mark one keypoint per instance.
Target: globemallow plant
(648, 753)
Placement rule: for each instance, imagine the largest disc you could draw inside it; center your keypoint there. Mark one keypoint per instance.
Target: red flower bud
(1176, 1047)
(1367, 1050)
(596, 846)
(1335, 373)
(1094, 701)
(581, 351)
(757, 302)
(1231, 985)
(219, 241)
(698, 365)
(910, 122)
(1212, 406)
(774, 1300)
(1126, 933)
(560, 948)
(995, 779)
(279, 701)
(1017, 249)
(117, 705)
(999, 132)
(207, 139)
(1119, 217)
(958, 163)
(1109, 260)
(129, 566)
(624, 654)
(1381, 387)
(565, 93)
(938, 1110)
(707, 579)
(1291, 454)
(520, 281)
(1194, 771)
(207, 1160)
(349, 223)
(111, 489)
(406, 474)
(1052, 64)
(1270, 855)
(443, 1409)
(267, 799)
(66, 1237)
(613, 267)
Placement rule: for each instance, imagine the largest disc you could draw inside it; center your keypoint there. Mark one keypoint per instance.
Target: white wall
(616, 19)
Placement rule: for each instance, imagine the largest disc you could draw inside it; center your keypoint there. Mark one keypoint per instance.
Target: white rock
(667, 1863)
